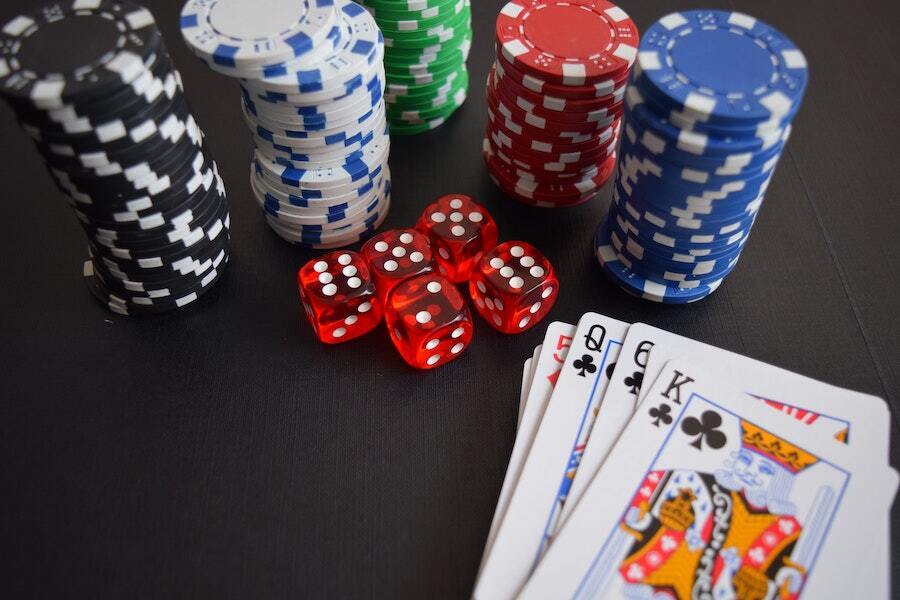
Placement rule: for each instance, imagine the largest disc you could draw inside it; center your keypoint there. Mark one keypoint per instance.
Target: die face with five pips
(395, 255)
(428, 320)
(461, 231)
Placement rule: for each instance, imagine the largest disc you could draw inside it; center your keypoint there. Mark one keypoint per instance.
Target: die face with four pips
(461, 231)
(514, 287)
(395, 255)
(338, 295)
(428, 320)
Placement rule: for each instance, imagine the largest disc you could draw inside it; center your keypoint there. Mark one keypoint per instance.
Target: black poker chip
(95, 88)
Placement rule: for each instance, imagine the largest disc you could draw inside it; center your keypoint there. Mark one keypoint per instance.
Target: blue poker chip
(650, 219)
(721, 66)
(639, 285)
(695, 142)
(724, 202)
(649, 260)
(666, 247)
(637, 136)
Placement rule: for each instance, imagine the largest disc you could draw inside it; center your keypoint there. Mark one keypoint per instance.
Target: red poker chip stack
(555, 98)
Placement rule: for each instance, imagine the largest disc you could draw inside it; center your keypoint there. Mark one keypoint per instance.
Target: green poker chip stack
(426, 46)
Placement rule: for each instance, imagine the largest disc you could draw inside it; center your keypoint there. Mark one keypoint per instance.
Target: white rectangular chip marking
(742, 20)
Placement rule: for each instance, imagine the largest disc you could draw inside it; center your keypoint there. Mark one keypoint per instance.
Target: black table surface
(224, 452)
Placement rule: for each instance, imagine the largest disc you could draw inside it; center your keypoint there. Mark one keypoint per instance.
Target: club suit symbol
(633, 382)
(706, 428)
(662, 414)
(585, 364)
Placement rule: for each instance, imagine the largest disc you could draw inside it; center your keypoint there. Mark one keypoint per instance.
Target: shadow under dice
(394, 255)
(428, 320)
(514, 287)
(339, 296)
(461, 231)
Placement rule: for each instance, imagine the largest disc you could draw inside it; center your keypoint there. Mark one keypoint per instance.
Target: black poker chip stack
(93, 85)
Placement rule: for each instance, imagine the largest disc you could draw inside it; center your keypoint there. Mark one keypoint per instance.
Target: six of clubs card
(649, 465)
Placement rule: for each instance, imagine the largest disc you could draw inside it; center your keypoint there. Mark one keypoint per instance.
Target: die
(514, 287)
(394, 255)
(428, 320)
(461, 231)
(339, 297)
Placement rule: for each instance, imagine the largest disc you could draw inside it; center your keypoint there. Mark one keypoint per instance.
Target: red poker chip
(539, 191)
(533, 139)
(547, 100)
(501, 104)
(603, 116)
(541, 147)
(525, 154)
(599, 89)
(549, 172)
(571, 140)
(511, 192)
(573, 43)
(543, 176)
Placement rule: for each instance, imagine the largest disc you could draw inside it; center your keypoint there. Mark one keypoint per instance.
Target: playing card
(546, 370)
(541, 491)
(647, 349)
(711, 494)
(526, 382)
(526, 379)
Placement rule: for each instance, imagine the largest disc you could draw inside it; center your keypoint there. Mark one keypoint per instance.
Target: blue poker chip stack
(93, 85)
(708, 112)
(311, 78)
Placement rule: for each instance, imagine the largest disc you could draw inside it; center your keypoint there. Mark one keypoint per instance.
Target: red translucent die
(514, 287)
(339, 296)
(428, 320)
(395, 255)
(461, 231)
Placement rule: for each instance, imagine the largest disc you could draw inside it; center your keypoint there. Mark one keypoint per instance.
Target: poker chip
(93, 85)
(427, 44)
(312, 82)
(555, 98)
(702, 138)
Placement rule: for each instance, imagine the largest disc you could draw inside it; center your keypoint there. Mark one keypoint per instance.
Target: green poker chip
(460, 24)
(392, 27)
(410, 6)
(405, 20)
(426, 63)
(428, 113)
(422, 101)
(422, 89)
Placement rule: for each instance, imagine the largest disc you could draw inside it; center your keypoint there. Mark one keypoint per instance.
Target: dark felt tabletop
(224, 452)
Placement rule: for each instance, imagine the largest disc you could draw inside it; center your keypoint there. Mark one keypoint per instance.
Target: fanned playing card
(533, 511)
(545, 373)
(710, 493)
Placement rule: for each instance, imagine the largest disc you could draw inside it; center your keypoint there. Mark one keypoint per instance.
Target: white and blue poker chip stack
(708, 112)
(312, 83)
(93, 85)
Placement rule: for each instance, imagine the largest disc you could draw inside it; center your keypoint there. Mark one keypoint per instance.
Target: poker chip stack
(554, 98)
(312, 83)
(93, 85)
(708, 113)
(427, 43)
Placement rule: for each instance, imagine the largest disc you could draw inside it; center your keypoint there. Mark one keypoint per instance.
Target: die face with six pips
(395, 255)
(338, 295)
(514, 287)
(460, 231)
(428, 320)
